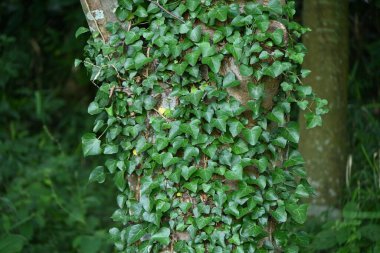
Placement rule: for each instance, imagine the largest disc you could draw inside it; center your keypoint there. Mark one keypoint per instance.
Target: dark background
(46, 202)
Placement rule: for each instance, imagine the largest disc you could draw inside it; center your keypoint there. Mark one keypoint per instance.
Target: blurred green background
(46, 202)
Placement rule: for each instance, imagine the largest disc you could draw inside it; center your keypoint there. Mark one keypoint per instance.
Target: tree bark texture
(325, 148)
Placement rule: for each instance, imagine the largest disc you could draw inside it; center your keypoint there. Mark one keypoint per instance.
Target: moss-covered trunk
(325, 149)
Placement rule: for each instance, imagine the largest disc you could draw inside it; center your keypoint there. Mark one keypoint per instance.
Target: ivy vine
(194, 111)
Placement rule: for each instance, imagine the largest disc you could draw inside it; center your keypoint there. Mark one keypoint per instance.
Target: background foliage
(46, 204)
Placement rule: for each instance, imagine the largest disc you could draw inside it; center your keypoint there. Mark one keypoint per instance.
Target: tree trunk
(99, 13)
(325, 148)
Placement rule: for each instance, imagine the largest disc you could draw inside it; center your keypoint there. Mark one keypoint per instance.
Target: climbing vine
(194, 113)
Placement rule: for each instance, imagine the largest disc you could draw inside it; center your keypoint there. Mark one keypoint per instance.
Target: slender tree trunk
(325, 148)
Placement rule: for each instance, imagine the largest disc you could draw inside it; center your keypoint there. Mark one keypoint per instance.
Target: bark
(325, 148)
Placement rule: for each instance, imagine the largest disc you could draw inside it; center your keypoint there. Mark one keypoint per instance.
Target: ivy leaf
(80, 31)
(135, 233)
(141, 60)
(187, 172)
(91, 145)
(120, 180)
(206, 49)
(246, 70)
(256, 91)
(192, 128)
(162, 236)
(131, 37)
(291, 132)
(193, 57)
(252, 135)
(220, 123)
(196, 34)
(236, 173)
(235, 127)
(214, 62)
(190, 152)
(277, 115)
(97, 175)
(161, 143)
(235, 51)
(230, 80)
(220, 13)
(193, 4)
(313, 120)
(192, 185)
(297, 212)
(295, 158)
(280, 214)
(179, 69)
(277, 36)
(240, 147)
(262, 164)
(275, 6)
(93, 108)
(141, 12)
(203, 221)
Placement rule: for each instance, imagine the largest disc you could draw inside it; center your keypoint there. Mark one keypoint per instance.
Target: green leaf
(97, 175)
(162, 236)
(220, 13)
(203, 221)
(295, 158)
(240, 147)
(120, 180)
(214, 62)
(93, 108)
(191, 128)
(141, 12)
(90, 145)
(179, 69)
(280, 214)
(256, 91)
(187, 172)
(235, 127)
(313, 120)
(80, 31)
(192, 185)
(262, 164)
(193, 4)
(236, 173)
(193, 57)
(220, 123)
(206, 49)
(230, 80)
(277, 115)
(252, 135)
(10, 243)
(141, 60)
(135, 233)
(277, 36)
(235, 51)
(190, 152)
(161, 143)
(196, 34)
(297, 212)
(275, 6)
(246, 70)
(131, 37)
(291, 132)
(77, 62)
